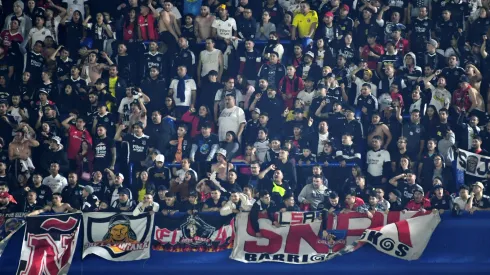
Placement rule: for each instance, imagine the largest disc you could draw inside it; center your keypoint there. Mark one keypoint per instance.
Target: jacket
(312, 195)
(60, 156)
(229, 206)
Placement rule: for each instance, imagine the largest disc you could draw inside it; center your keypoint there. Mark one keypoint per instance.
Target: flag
(49, 244)
(117, 236)
(307, 237)
(206, 232)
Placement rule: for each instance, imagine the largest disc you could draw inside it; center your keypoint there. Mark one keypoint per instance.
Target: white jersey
(209, 61)
(230, 120)
(375, 161)
(55, 183)
(441, 98)
(76, 5)
(359, 82)
(306, 97)
(224, 29)
(36, 34)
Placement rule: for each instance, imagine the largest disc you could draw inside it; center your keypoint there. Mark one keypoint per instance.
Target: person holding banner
(238, 202)
(262, 206)
(57, 207)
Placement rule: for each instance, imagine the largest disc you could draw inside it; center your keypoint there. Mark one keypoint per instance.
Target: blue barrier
(458, 245)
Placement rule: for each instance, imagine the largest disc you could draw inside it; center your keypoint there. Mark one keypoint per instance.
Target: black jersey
(138, 147)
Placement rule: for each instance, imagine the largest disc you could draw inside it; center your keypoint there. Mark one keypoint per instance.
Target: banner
(9, 224)
(404, 239)
(206, 232)
(117, 236)
(300, 239)
(473, 164)
(49, 244)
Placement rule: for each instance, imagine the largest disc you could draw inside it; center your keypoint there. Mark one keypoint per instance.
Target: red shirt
(357, 203)
(9, 37)
(371, 61)
(291, 87)
(147, 27)
(128, 32)
(402, 45)
(413, 206)
(461, 98)
(75, 138)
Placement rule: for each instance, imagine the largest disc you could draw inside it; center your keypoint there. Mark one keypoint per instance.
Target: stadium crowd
(253, 105)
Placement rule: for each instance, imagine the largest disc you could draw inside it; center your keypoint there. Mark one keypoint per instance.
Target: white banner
(404, 239)
(117, 236)
(473, 164)
(301, 238)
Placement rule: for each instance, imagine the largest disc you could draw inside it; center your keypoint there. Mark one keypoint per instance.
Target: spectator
(418, 201)
(264, 204)
(124, 203)
(313, 194)
(89, 200)
(238, 202)
(146, 206)
(477, 200)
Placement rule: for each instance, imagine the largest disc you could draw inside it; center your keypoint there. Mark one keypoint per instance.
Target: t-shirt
(138, 146)
(75, 138)
(230, 120)
(190, 85)
(103, 154)
(204, 146)
(303, 22)
(225, 28)
(484, 202)
(37, 34)
(55, 183)
(125, 107)
(376, 160)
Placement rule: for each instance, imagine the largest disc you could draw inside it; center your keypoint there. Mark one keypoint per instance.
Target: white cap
(222, 151)
(120, 176)
(57, 139)
(160, 158)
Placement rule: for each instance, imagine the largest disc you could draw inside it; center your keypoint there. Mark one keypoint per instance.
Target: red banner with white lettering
(306, 237)
(49, 244)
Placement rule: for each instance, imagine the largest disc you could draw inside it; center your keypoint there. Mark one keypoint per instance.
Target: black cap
(169, 195)
(162, 188)
(464, 78)
(263, 193)
(139, 124)
(101, 104)
(333, 195)
(437, 187)
(213, 73)
(193, 193)
(124, 191)
(396, 192)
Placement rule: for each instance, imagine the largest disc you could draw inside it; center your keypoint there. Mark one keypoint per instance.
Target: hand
(286, 112)
(104, 55)
(258, 235)
(40, 113)
(484, 38)
(325, 163)
(342, 163)
(323, 103)
(122, 127)
(310, 122)
(174, 142)
(272, 167)
(282, 210)
(258, 96)
(276, 224)
(364, 110)
(235, 211)
(438, 72)
(369, 214)
(385, 8)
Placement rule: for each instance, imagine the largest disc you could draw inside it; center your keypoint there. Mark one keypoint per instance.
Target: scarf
(181, 88)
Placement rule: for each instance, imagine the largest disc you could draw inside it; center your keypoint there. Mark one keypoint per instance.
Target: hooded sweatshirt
(412, 72)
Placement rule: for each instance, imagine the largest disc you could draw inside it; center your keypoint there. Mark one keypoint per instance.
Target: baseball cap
(479, 184)
(311, 54)
(120, 176)
(345, 7)
(396, 192)
(124, 191)
(418, 188)
(329, 14)
(213, 73)
(437, 187)
(256, 110)
(464, 78)
(193, 193)
(160, 158)
(432, 42)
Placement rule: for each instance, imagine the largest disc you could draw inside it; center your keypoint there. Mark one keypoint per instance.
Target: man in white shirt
(210, 59)
(378, 160)
(55, 181)
(38, 33)
(183, 89)
(464, 195)
(232, 118)
(132, 96)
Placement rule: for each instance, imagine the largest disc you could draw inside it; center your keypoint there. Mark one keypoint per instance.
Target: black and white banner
(49, 244)
(473, 164)
(117, 236)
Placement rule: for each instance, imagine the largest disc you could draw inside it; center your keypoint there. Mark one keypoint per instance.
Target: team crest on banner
(9, 224)
(49, 244)
(206, 232)
(117, 237)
